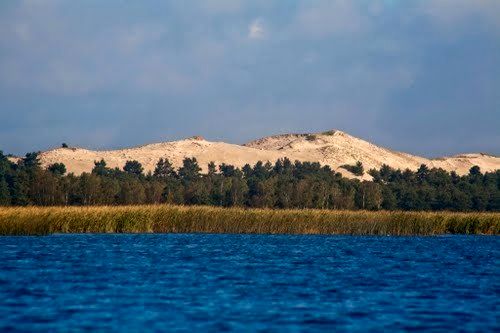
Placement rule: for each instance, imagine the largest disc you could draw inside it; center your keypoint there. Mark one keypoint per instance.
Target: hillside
(333, 148)
(336, 148)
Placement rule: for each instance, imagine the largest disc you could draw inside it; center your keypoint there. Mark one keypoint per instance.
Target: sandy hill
(336, 148)
(333, 148)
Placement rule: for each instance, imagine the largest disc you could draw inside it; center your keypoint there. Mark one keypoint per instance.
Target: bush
(356, 169)
(311, 137)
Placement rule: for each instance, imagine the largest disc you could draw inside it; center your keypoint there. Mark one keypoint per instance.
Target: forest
(284, 184)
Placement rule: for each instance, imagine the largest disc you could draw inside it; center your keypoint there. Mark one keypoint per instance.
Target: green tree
(133, 168)
(58, 169)
(153, 191)
(357, 169)
(31, 161)
(87, 190)
(100, 168)
(190, 170)
(369, 196)
(109, 189)
(422, 173)
(45, 190)
(131, 192)
(20, 184)
(4, 192)
(164, 169)
(236, 196)
(173, 192)
(197, 193)
(212, 169)
(389, 200)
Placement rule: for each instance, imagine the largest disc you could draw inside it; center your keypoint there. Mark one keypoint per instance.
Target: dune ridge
(333, 148)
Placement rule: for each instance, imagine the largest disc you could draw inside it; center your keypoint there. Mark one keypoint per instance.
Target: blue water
(217, 283)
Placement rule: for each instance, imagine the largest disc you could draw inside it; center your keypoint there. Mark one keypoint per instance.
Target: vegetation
(311, 137)
(357, 169)
(203, 219)
(284, 185)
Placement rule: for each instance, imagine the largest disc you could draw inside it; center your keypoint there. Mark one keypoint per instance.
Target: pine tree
(164, 169)
(4, 192)
(190, 170)
(133, 168)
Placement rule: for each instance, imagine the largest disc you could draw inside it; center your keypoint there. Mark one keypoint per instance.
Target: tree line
(284, 184)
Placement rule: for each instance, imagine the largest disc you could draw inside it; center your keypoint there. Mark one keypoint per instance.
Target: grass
(199, 219)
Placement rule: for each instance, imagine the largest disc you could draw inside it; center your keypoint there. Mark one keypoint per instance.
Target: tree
(5, 164)
(369, 196)
(260, 170)
(108, 190)
(4, 192)
(133, 168)
(475, 174)
(45, 189)
(212, 169)
(357, 169)
(197, 192)
(31, 161)
(131, 192)
(236, 195)
(19, 184)
(284, 190)
(173, 192)
(386, 173)
(263, 193)
(283, 185)
(422, 173)
(247, 171)
(100, 168)
(58, 169)
(153, 191)
(228, 170)
(64, 145)
(88, 189)
(190, 170)
(164, 169)
(475, 171)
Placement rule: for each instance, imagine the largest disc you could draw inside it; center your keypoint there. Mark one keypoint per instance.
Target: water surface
(219, 283)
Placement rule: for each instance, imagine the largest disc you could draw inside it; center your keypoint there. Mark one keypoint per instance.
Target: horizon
(416, 77)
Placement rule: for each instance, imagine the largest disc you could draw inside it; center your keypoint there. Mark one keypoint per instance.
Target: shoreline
(216, 220)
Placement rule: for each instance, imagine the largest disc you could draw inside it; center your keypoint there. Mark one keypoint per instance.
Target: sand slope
(333, 148)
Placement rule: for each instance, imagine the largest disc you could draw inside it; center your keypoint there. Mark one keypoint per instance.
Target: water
(219, 283)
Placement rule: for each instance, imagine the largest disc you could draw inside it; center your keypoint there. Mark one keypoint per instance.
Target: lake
(208, 282)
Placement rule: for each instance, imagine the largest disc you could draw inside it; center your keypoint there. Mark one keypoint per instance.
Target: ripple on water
(248, 283)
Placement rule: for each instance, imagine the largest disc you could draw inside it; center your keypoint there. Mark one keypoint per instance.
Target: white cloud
(256, 30)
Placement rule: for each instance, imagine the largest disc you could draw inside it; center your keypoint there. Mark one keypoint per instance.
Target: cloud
(256, 29)
(166, 69)
(222, 6)
(328, 18)
(449, 13)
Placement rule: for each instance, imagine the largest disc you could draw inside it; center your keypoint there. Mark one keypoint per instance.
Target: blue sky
(418, 76)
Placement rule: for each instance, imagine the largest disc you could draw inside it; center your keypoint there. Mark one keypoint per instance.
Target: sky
(415, 76)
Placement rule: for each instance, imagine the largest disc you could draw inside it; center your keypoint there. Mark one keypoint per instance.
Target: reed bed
(200, 219)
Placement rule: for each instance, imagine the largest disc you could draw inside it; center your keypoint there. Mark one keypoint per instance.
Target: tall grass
(198, 219)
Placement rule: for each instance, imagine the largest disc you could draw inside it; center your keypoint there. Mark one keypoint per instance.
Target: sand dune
(333, 148)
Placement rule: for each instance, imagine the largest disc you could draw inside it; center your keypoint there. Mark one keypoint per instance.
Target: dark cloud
(416, 76)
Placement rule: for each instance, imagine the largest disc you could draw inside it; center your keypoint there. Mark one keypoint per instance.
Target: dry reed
(200, 219)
